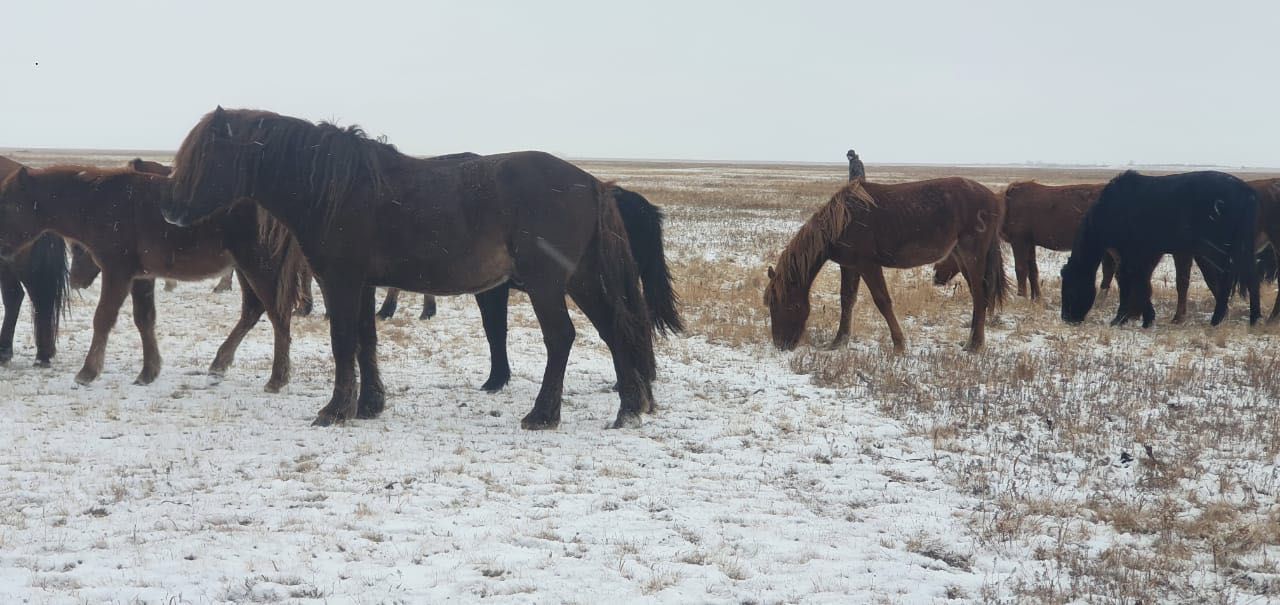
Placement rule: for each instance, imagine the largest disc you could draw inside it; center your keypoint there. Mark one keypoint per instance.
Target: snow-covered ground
(749, 484)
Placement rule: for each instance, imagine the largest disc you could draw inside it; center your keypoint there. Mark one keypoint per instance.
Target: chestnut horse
(367, 215)
(40, 272)
(1268, 191)
(115, 215)
(867, 227)
(1210, 215)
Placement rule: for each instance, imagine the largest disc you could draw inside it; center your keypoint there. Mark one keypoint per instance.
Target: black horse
(1210, 215)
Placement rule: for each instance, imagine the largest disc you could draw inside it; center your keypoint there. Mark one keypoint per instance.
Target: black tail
(1266, 267)
(643, 222)
(619, 275)
(45, 277)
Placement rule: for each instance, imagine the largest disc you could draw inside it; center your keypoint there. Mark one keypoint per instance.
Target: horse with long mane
(1209, 215)
(367, 215)
(115, 215)
(39, 271)
(866, 227)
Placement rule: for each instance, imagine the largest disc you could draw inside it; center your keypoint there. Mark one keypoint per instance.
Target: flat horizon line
(1022, 164)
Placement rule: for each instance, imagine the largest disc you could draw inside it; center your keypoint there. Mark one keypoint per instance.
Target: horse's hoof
(495, 383)
(385, 316)
(146, 377)
(275, 386)
(535, 422)
(371, 405)
(85, 377)
(428, 312)
(42, 363)
(838, 343)
(328, 419)
(5, 356)
(627, 420)
(1177, 320)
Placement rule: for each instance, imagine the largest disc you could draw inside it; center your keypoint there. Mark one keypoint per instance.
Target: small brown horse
(867, 227)
(39, 271)
(115, 214)
(367, 215)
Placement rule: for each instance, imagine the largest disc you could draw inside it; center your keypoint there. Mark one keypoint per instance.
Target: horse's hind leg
(974, 268)
(115, 289)
(849, 280)
(373, 396)
(557, 334)
(12, 292)
(251, 309)
(389, 304)
(1033, 273)
(634, 390)
(428, 307)
(1182, 277)
(1023, 260)
(493, 314)
(224, 284)
(144, 317)
(873, 275)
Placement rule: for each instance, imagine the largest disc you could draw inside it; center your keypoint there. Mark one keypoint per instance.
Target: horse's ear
(22, 178)
(771, 273)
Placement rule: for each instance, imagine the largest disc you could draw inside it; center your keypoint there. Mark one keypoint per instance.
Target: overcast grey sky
(1007, 81)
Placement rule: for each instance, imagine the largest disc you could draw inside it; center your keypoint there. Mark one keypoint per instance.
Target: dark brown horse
(1268, 191)
(367, 215)
(867, 227)
(115, 214)
(40, 272)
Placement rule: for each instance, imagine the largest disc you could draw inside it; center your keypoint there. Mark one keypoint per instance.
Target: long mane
(321, 164)
(809, 245)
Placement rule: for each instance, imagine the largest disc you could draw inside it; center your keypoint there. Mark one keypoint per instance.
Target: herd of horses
(1228, 227)
(278, 201)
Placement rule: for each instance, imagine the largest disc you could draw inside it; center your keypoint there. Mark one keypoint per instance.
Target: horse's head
(1078, 292)
(149, 167)
(206, 172)
(20, 194)
(788, 310)
(83, 268)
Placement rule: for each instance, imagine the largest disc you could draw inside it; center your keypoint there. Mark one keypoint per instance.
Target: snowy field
(819, 477)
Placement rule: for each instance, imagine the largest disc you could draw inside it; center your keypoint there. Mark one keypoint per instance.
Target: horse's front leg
(114, 290)
(144, 317)
(849, 280)
(342, 300)
(373, 397)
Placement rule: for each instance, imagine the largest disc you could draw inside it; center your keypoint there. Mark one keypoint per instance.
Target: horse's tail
(290, 264)
(621, 280)
(995, 282)
(47, 277)
(643, 222)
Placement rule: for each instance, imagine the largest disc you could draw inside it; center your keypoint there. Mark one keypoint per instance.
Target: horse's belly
(914, 255)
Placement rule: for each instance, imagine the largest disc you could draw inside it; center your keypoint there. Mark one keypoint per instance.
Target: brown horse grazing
(868, 226)
(367, 215)
(115, 215)
(40, 272)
